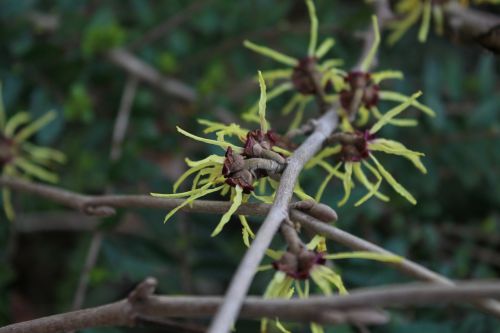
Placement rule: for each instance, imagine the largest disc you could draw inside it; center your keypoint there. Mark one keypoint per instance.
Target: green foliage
(102, 37)
(78, 106)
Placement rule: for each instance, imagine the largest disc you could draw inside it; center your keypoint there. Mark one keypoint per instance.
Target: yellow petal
(227, 216)
(35, 170)
(268, 52)
(324, 47)
(35, 126)
(395, 185)
(397, 148)
(367, 62)
(393, 113)
(262, 104)
(223, 145)
(365, 255)
(193, 197)
(14, 122)
(397, 97)
(426, 21)
(396, 122)
(313, 39)
(347, 182)
(7, 204)
(385, 75)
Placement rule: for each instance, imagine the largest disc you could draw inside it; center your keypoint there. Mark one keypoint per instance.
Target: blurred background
(54, 56)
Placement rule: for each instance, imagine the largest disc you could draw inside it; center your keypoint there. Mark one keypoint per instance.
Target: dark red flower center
(361, 82)
(302, 76)
(7, 150)
(355, 146)
(235, 172)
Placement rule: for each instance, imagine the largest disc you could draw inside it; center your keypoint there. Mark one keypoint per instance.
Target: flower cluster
(243, 171)
(294, 271)
(251, 160)
(411, 11)
(19, 157)
(307, 76)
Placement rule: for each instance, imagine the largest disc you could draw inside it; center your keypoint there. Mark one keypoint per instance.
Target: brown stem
(354, 308)
(143, 71)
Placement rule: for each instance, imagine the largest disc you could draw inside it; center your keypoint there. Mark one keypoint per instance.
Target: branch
(122, 118)
(109, 202)
(352, 308)
(105, 205)
(474, 24)
(143, 71)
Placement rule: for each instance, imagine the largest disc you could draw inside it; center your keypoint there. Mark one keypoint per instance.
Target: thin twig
(119, 130)
(122, 118)
(352, 308)
(90, 261)
(143, 71)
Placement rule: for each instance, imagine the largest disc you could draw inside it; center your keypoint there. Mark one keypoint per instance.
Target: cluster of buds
(299, 266)
(257, 160)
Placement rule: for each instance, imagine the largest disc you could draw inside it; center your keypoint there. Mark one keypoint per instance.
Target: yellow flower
(295, 271)
(243, 171)
(356, 150)
(19, 157)
(360, 91)
(425, 10)
(298, 77)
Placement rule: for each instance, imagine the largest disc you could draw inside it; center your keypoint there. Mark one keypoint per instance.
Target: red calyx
(359, 80)
(356, 148)
(236, 175)
(301, 76)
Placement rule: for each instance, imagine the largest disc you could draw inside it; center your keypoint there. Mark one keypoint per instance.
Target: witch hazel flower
(303, 75)
(411, 11)
(241, 171)
(356, 152)
(360, 91)
(296, 271)
(20, 158)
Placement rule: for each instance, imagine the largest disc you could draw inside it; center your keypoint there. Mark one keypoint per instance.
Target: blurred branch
(123, 117)
(474, 24)
(120, 128)
(90, 261)
(143, 71)
(352, 308)
(168, 25)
